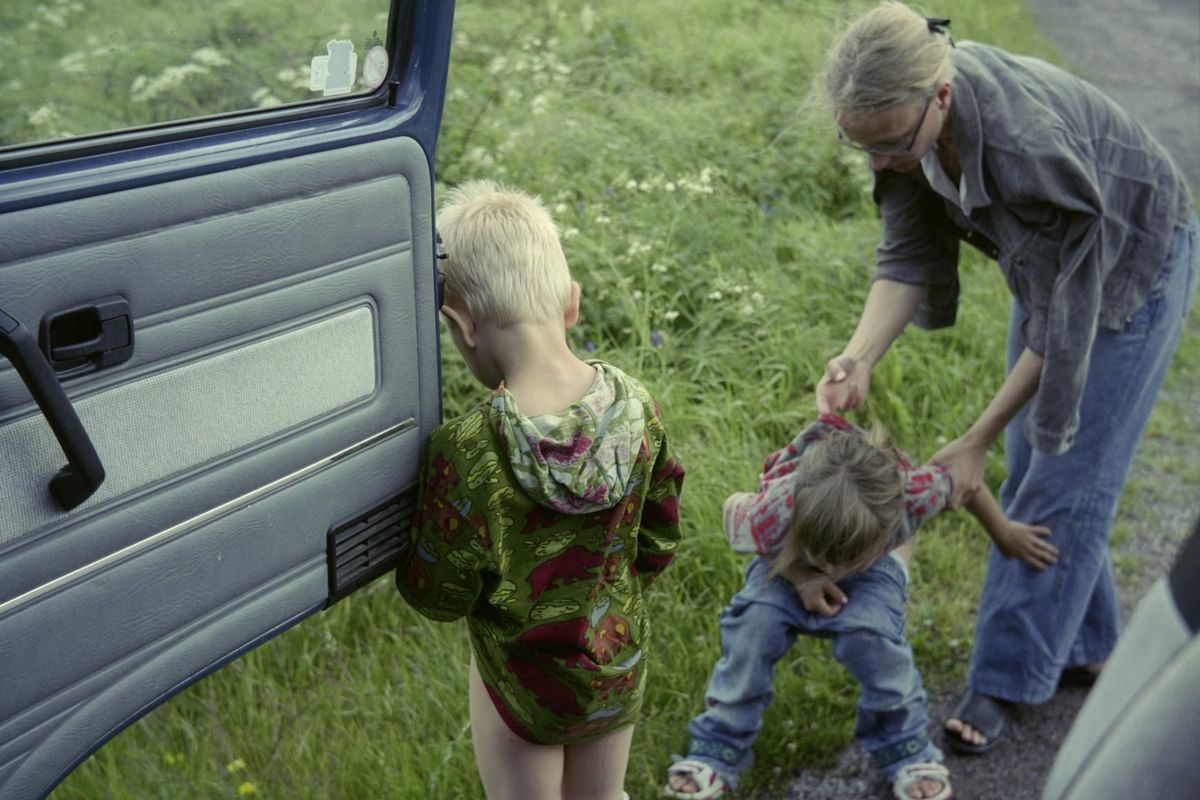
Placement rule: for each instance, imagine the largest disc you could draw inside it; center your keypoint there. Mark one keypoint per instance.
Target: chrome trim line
(201, 519)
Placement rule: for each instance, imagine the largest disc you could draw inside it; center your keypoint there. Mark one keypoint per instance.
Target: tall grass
(724, 243)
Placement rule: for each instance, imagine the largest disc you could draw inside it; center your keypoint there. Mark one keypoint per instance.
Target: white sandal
(910, 774)
(708, 783)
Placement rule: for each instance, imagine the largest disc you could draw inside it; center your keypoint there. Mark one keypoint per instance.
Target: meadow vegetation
(724, 242)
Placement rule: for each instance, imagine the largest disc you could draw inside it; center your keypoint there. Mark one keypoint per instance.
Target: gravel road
(1145, 55)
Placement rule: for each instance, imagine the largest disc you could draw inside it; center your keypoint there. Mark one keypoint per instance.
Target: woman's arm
(965, 456)
(889, 307)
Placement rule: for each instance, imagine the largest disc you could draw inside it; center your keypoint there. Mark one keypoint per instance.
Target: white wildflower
(73, 63)
(210, 57)
(43, 117)
(671, 316)
(715, 295)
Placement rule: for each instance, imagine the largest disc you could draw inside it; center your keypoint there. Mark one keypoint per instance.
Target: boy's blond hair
(888, 56)
(504, 260)
(849, 498)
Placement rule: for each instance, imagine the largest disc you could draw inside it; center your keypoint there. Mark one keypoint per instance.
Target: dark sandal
(1084, 677)
(984, 714)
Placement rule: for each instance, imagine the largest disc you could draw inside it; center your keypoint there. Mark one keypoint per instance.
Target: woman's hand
(1027, 542)
(964, 459)
(844, 385)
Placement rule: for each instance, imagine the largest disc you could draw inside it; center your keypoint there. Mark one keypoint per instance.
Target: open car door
(218, 317)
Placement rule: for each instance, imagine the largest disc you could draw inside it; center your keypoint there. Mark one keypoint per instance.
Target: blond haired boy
(545, 511)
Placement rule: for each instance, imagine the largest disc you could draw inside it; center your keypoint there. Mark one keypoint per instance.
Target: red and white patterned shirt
(758, 522)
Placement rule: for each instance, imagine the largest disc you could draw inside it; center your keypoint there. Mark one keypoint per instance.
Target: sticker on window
(334, 73)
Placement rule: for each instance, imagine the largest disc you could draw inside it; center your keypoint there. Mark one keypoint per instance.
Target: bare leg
(595, 770)
(510, 767)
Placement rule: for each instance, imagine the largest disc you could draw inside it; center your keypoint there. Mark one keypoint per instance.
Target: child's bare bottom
(512, 768)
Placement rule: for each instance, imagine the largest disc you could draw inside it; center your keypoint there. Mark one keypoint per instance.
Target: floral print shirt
(544, 532)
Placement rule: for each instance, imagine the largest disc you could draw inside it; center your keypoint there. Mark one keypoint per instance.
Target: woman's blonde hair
(888, 56)
(504, 260)
(848, 500)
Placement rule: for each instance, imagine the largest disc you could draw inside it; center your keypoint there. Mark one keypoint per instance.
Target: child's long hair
(848, 500)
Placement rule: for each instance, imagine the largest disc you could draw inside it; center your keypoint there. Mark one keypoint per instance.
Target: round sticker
(375, 67)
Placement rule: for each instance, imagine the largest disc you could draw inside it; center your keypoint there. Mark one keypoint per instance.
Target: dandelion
(247, 789)
(237, 765)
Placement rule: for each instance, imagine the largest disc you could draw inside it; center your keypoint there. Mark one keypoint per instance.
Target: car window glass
(76, 67)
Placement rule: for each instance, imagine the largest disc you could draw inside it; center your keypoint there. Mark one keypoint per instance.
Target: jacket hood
(582, 460)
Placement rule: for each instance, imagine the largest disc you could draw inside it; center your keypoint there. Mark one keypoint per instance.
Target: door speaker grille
(361, 550)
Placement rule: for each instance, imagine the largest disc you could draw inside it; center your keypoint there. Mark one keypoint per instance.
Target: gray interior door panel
(283, 378)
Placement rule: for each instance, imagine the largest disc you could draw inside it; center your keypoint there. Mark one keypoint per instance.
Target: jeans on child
(757, 629)
(1033, 624)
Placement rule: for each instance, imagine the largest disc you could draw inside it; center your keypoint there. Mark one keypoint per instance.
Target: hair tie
(937, 25)
(942, 26)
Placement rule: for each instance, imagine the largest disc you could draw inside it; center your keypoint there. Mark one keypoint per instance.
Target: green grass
(703, 198)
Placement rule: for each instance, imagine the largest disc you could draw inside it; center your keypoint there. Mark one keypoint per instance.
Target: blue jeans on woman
(1031, 624)
(758, 628)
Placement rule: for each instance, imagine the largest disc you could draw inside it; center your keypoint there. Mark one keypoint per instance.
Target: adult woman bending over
(1094, 229)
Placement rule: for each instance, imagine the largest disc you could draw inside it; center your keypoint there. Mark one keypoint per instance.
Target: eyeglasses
(889, 151)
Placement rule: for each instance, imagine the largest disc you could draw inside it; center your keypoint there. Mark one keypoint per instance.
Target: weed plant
(724, 242)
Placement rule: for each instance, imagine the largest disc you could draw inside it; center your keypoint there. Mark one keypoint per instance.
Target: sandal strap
(899, 751)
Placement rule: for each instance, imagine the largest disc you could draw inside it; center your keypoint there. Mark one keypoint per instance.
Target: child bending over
(832, 527)
(544, 513)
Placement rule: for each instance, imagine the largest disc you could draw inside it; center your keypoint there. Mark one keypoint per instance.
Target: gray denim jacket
(1071, 195)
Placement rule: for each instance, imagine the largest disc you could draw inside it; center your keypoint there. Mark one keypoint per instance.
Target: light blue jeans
(758, 628)
(1031, 624)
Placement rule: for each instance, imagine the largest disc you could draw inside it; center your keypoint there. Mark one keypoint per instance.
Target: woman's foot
(927, 780)
(977, 723)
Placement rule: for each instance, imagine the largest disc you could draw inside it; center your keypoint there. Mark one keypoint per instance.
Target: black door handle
(88, 337)
(83, 473)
